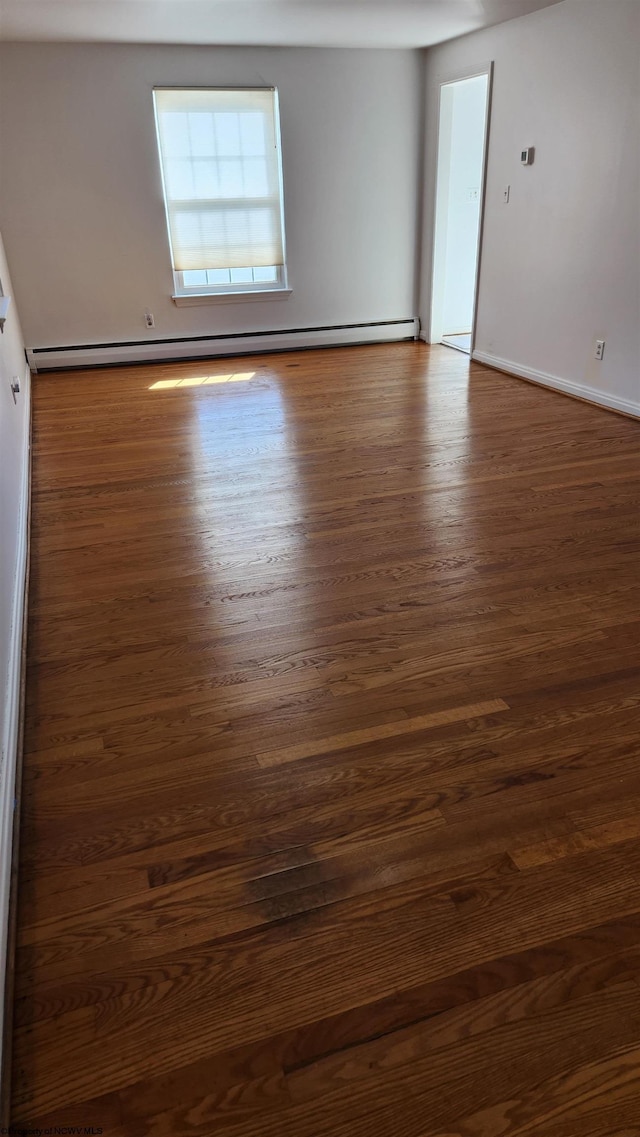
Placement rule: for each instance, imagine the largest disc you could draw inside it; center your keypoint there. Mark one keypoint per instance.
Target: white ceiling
(321, 23)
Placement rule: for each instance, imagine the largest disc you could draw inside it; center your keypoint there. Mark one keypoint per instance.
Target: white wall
(561, 263)
(465, 178)
(81, 204)
(461, 148)
(14, 425)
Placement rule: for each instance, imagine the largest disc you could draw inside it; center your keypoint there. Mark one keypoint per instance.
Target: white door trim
(436, 330)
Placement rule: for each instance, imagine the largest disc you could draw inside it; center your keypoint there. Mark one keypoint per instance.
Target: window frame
(277, 285)
(251, 289)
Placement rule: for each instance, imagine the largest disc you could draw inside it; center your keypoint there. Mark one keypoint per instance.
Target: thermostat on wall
(526, 156)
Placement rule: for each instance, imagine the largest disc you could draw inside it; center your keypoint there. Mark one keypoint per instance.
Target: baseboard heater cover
(564, 386)
(237, 343)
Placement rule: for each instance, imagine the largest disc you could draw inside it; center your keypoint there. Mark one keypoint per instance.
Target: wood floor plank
(386, 730)
(331, 776)
(292, 1079)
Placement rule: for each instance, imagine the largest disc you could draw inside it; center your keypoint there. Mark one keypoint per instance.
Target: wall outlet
(149, 320)
(506, 194)
(599, 349)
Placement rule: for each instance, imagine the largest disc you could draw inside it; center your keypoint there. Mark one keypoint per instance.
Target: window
(222, 181)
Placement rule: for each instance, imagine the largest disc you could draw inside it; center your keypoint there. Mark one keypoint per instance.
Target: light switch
(505, 194)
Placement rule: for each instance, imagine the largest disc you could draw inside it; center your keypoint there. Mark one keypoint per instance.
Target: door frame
(435, 329)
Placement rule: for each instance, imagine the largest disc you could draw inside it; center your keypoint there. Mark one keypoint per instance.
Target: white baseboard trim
(564, 386)
(11, 716)
(196, 347)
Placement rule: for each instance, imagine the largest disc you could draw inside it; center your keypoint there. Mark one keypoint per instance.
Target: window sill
(187, 299)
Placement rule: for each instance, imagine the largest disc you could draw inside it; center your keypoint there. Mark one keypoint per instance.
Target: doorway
(462, 139)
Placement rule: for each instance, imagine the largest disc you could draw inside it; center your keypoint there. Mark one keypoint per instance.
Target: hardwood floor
(331, 815)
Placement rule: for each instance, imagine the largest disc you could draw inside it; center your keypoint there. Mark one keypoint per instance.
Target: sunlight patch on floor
(202, 381)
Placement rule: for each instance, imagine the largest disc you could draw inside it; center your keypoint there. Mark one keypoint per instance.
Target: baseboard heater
(237, 343)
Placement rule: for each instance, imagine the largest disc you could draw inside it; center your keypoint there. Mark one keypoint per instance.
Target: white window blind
(221, 173)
